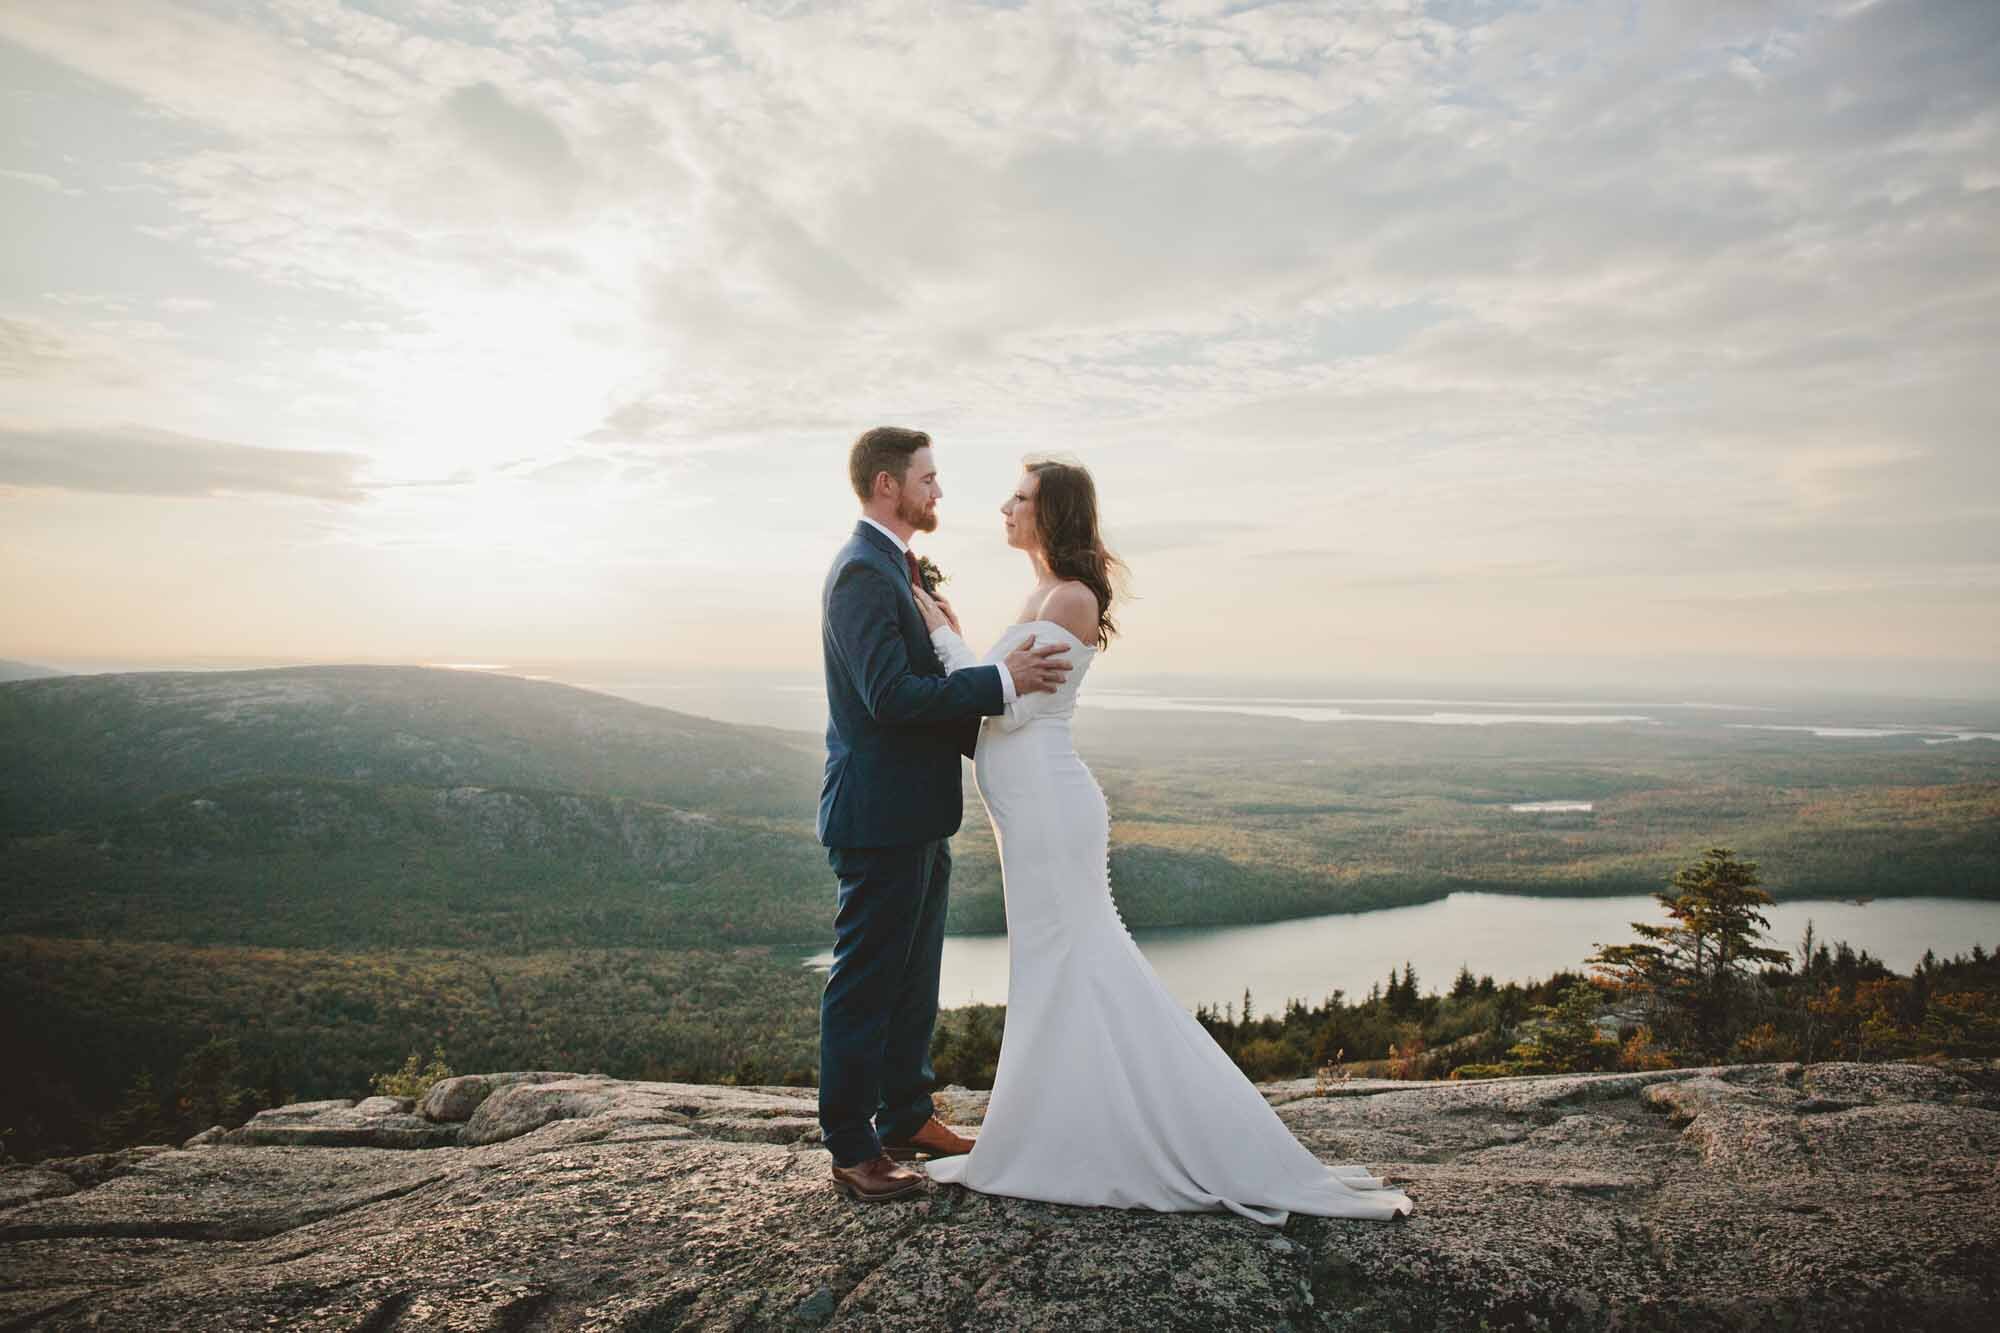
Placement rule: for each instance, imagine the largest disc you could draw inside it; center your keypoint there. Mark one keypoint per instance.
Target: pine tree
(137, 1117)
(1402, 990)
(206, 1088)
(1568, 1040)
(1690, 967)
(1464, 984)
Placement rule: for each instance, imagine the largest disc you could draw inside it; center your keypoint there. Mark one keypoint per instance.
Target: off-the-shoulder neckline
(1087, 647)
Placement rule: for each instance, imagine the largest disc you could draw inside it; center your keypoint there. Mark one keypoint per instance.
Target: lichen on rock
(1767, 1196)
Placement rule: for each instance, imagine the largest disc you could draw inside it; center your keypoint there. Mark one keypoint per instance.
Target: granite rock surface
(1832, 1196)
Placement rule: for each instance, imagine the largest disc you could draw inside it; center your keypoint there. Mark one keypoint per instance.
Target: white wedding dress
(1108, 1092)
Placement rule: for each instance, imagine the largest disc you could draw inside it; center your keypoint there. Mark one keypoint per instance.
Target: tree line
(144, 1042)
(1698, 988)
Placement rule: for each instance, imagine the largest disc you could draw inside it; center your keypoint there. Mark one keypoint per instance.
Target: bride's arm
(951, 650)
(949, 641)
(1021, 710)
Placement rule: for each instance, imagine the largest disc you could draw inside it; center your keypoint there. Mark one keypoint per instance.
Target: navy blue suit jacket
(896, 720)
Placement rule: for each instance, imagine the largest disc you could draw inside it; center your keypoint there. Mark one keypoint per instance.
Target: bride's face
(1019, 512)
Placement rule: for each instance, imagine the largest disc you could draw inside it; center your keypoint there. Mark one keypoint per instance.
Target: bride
(1107, 1090)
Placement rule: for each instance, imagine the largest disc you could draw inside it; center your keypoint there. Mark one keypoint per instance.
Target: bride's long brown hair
(1066, 527)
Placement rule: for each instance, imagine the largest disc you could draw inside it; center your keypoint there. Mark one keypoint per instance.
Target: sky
(1616, 341)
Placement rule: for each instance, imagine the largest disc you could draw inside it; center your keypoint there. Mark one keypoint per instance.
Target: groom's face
(920, 492)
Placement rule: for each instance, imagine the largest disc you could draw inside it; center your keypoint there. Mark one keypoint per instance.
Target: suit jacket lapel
(875, 537)
(886, 549)
(892, 559)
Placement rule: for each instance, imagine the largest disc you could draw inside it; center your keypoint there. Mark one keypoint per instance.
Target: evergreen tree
(137, 1118)
(1464, 984)
(1402, 990)
(1689, 968)
(1567, 1040)
(207, 1091)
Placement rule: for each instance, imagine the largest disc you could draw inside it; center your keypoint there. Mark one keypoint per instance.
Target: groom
(897, 723)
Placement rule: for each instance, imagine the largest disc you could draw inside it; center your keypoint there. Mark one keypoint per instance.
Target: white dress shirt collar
(902, 547)
(1008, 694)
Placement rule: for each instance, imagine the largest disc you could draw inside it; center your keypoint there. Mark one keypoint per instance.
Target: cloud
(36, 179)
(30, 350)
(517, 136)
(136, 460)
(1699, 293)
(1152, 536)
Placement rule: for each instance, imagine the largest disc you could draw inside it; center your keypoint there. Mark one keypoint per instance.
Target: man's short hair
(883, 449)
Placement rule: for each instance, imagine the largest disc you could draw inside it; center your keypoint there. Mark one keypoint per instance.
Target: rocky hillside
(1828, 1196)
(374, 865)
(361, 807)
(75, 749)
(12, 670)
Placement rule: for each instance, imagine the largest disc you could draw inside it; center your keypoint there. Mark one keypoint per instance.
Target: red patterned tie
(916, 575)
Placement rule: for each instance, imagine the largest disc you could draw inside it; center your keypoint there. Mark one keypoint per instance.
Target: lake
(1512, 937)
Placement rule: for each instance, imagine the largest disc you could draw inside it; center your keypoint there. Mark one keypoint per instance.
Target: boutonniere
(930, 575)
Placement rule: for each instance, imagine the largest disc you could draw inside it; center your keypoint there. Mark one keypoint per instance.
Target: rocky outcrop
(1780, 1196)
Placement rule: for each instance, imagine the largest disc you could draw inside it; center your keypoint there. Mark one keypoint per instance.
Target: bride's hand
(950, 616)
(934, 615)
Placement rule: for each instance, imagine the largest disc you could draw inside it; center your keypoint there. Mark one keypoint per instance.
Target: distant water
(1935, 735)
(800, 704)
(1507, 936)
(797, 701)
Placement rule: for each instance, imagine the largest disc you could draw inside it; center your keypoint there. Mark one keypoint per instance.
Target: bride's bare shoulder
(1073, 606)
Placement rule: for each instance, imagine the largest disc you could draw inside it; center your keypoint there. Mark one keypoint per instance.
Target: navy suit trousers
(879, 1008)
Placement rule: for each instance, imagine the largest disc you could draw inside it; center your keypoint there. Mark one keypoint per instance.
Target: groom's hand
(1035, 670)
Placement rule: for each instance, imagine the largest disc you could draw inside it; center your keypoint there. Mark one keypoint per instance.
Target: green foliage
(1497, 1069)
(1393, 1032)
(1841, 1004)
(1567, 1040)
(80, 749)
(138, 1117)
(237, 889)
(414, 1079)
(1225, 819)
(207, 1090)
(328, 864)
(1845, 1005)
(965, 1046)
(1690, 970)
(92, 1015)
(331, 807)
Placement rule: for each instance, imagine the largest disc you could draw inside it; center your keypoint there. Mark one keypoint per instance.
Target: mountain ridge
(81, 747)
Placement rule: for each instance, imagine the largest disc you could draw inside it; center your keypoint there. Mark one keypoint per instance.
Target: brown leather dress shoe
(877, 1179)
(935, 1139)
